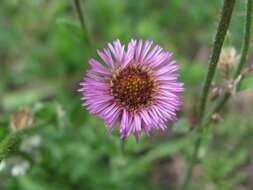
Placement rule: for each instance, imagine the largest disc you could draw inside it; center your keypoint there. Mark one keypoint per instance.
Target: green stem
(245, 51)
(193, 161)
(123, 146)
(8, 143)
(246, 41)
(80, 14)
(226, 14)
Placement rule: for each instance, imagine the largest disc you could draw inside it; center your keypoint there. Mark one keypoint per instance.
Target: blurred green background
(43, 57)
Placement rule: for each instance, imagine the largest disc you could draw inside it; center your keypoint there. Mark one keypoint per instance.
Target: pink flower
(136, 88)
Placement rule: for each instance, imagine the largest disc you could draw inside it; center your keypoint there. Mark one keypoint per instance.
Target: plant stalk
(8, 143)
(247, 38)
(80, 14)
(244, 55)
(193, 161)
(226, 14)
(225, 19)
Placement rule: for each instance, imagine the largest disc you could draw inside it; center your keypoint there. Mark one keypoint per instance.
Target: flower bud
(215, 93)
(228, 59)
(232, 85)
(216, 118)
(23, 119)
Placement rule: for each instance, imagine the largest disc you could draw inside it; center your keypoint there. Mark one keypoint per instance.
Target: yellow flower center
(133, 87)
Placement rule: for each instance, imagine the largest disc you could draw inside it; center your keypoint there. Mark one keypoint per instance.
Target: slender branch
(226, 14)
(194, 159)
(246, 42)
(123, 146)
(244, 55)
(80, 14)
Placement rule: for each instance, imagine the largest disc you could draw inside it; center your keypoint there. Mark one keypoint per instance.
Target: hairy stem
(193, 161)
(226, 14)
(8, 143)
(80, 14)
(244, 55)
(123, 146)
(246, 41)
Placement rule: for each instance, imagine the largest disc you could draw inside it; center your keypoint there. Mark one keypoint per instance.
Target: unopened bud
(23, 119)
(228, 59)
(215, 93)
(232, 85)
(216, 118)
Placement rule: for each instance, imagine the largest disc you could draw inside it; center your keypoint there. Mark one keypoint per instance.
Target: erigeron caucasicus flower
(136, 87)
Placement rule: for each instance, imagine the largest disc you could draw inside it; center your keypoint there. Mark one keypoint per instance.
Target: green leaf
(28, 96)
(182, 126)
(28, 183)
(246, 83)
(161, 151)
(72, 27)
(191, 74)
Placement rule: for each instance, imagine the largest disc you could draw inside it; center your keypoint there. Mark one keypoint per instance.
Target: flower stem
(123, 146)
(7, 144)
(226, 14)
(193, 161)
(244, 54)
(80, 14)
(246, 42)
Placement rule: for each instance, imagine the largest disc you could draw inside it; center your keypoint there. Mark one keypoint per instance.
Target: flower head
(136, 88)
(22, 120)
(227, 61)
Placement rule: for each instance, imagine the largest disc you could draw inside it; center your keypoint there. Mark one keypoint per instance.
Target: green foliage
(246, 83)
(44, 55)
